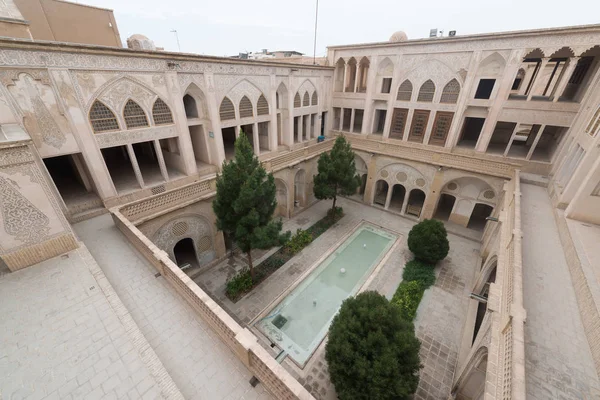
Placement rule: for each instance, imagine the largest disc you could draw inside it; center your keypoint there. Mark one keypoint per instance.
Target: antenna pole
(177, 37)
(315, 44)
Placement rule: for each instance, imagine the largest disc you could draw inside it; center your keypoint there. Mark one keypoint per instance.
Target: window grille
(246, 108)
(405, 91)
(102, 118)
(450, 92)
(226, 110)
(426, 92)
(135, 117)
(161, 113)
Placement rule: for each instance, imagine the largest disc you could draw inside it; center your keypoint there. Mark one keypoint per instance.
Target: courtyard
(441, 315)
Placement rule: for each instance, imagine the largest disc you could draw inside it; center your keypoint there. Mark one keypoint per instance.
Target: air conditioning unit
(452, 33)
(433, 32)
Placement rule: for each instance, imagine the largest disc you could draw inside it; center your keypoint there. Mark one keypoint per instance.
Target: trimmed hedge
(416, 278)
(242, 283)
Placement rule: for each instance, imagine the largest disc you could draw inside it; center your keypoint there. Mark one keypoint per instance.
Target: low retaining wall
(241, 341)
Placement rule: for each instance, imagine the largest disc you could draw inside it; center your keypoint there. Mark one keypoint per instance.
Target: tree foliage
(245, 202)
(372, 352)
(428, 240)
(337, 172)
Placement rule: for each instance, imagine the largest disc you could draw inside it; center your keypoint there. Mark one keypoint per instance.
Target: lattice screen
(418, 126)
(262, 106)
(246, 108)
(450, 92)
(226, 110)
(405, 91)
(441, 127)
(398, 122)
(297, 101)
(135, 116)
(161, 113)
(426, 92)
(315, 99)
(102, 118)
(306, 100)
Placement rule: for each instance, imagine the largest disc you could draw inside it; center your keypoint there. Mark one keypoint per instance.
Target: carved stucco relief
(20, 218)
(112, 139)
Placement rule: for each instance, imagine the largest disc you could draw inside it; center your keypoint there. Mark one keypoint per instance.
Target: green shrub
(407, 298)
(300, 240)
(239, 284)
(428, 240)
(420, 272)
(372, 352)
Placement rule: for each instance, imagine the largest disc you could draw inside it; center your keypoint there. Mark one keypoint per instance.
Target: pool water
(301, 320)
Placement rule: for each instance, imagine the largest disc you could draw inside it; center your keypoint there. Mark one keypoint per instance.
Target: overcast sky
(227, 27)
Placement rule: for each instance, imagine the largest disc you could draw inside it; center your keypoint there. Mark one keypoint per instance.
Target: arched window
(426, 92)
(262, 106)
(246, 108)
(135, 117)
(102, 118)
(315, 99)
(306, 100)
(297, 101)
(450, 92)
(226, 110)
(191, 111)
(161, 113)
(405, 91)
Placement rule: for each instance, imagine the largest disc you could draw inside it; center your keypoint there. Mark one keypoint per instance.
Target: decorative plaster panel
(112, 139)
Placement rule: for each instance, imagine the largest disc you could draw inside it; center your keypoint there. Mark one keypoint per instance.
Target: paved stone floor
(200, 364)
(558, 360)
(440, 317)
(66, 335)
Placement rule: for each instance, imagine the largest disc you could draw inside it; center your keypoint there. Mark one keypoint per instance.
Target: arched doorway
(282, 198)
(363, 184)
(473, 385)
(482, 306)
(299, 189)
(185, 254)
(478, 217)
(416, 199)
(397, 200)
(189, 103)
(445, 206)
(381, 190)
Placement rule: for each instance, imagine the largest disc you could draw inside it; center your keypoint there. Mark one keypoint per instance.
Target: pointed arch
(262, 106)
(102, 118)
(161, 113)
(386, 68)
(340, 67)
(297, 101)
(315, 99)
(246, 108)
(405, 91)
(450, 92)
(426, 92)
(282, 96)
(134, 115)
(226, 109)
(306, 100)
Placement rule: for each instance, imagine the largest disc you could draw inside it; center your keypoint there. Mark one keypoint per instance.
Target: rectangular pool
(299, 322)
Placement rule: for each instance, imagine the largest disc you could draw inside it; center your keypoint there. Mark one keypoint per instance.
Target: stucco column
(341, 119)
(368, 105)
(463, 98)
(135, 165)
(356, 76)
(388, 196)
(535, 141)
(512, 137)
(216, 142)
(536, 78)
(76, 162)
(404, 203)
(300, 128)
(273, 129)
(429, 126)
(161, 160)
(351, 120)
(345, 77)
(185, 141)
(510, 71)
(433, 197)
(370, 184)
(255, 139)
(408, 124)
(564, 78)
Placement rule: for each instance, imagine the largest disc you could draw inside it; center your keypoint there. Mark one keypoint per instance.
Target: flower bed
(416, 278)
(242, 283)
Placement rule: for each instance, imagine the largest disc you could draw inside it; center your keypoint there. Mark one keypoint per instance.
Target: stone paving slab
(65, 334)
(198, 361)
(558, 360)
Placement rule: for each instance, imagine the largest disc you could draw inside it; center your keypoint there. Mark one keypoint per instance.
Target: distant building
(59, 21)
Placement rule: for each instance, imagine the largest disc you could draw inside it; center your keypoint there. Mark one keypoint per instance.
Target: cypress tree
(245, 202)
(337, 173)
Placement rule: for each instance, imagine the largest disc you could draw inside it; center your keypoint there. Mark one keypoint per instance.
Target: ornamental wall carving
(112, 139)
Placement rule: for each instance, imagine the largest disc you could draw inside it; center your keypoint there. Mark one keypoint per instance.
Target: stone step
(87, 214)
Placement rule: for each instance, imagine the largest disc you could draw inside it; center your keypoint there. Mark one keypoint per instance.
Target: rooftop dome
(399, 36)
(140, 42)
